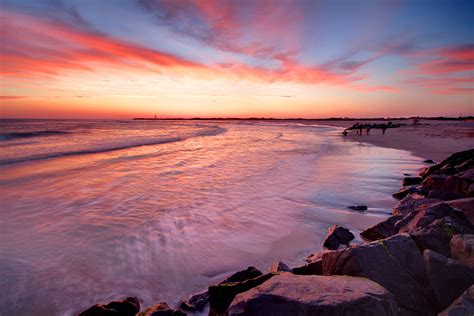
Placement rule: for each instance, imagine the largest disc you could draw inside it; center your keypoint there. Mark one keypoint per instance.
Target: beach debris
(358, 207)
(336, 236)
(463, 305)
(278, 266)
(161, 309)
(128, 307)
(395, 263)
(412, 181)
(287, 294)
(462, 249)
(448, 278)
(428, 161)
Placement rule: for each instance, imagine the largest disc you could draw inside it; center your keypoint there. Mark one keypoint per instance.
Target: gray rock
(127, 307)
(221, 295)
(161, 309)
(288, 294)
(426, 216)
(336, 236)
(412, 180)
(434, 182)
(395, 263)
(279, 267)
(313, 268)
(459, 161)
(249, 273)
(197, 302)
(404, 192)
(358, 207)
(460, 183)
(444, 195)
(437, 236)
(448, 278)
(463, 306)
(462, 249)
(466, 206)
(381, 230)
(412, 203)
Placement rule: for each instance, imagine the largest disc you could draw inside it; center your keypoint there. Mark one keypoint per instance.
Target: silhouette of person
(368, 129)
(384, 128)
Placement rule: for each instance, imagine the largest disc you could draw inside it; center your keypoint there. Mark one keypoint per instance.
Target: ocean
(93, 211)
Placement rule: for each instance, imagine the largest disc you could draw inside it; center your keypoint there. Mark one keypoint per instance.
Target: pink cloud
(444, 70)
(45, 49)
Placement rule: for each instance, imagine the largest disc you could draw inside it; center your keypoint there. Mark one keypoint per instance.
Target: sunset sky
(187, 58)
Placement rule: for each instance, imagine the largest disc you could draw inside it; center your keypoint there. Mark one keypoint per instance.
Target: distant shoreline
(438, 118)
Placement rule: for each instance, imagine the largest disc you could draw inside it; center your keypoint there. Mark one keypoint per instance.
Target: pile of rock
(419, 261)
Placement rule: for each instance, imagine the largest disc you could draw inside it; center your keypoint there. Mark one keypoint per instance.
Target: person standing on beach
(384, 128)
(368, 129)
(360, 130)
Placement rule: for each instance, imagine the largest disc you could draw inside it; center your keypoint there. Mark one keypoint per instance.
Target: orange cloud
(47, 49)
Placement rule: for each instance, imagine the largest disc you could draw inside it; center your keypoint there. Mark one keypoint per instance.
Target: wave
(14, 135)
(216, 130)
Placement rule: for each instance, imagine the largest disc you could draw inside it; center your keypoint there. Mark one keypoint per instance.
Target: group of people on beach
(360, 127)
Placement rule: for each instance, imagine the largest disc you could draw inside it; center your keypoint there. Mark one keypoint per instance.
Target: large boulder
(455, 163)
(313, 268)
(444, 195)
(197, 302)
(249, 273)
(464, 205)
(426, 216)
(412, 203)
(448, 278)
(463, 306)
(437, 236)
(278, 267)
(395, 263)
(336, 236)
(412, 180)
(462, 249)
(161, 309)
(434, 226)
(381, 230)
(404, 192)
(289, 294)
(460, 183)
(434, 182)
(222, 294)
(128, 307)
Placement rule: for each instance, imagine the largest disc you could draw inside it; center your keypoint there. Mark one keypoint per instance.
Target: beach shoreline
(429, 139)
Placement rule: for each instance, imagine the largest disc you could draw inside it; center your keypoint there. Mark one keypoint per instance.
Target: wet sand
(430, 139)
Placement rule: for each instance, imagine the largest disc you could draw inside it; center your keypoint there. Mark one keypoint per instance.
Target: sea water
(93, 211)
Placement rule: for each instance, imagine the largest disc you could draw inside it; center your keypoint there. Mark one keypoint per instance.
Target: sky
(241, 58)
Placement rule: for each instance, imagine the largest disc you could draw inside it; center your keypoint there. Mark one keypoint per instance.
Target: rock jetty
(419, 261)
